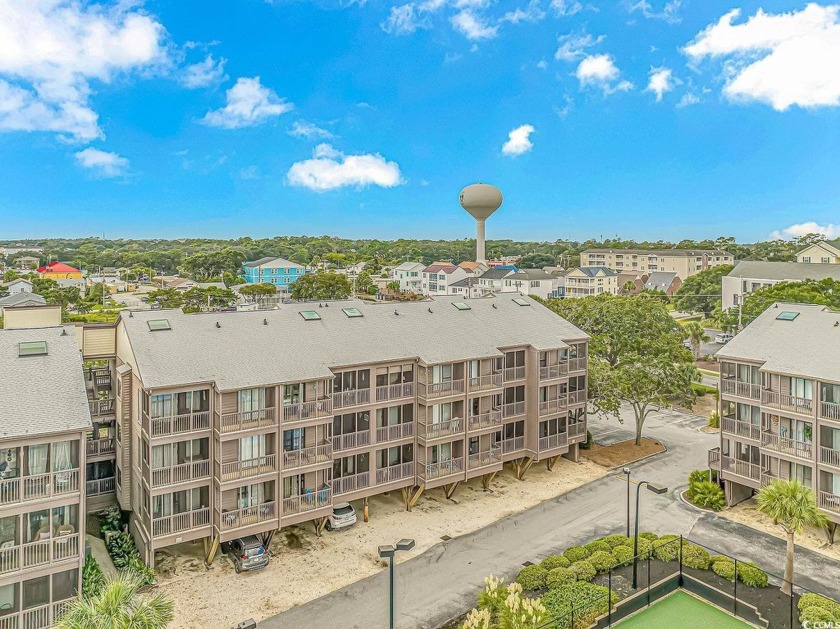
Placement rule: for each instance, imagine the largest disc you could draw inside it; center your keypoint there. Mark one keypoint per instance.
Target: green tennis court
(683, 611)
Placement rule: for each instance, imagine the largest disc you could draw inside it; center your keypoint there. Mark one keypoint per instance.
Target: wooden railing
(40, 553)
(441, 429)
(431, 471)
(351, 440)
(181, 522)
(177, 424)
(512, 374)
(830, 410)
(345, 399)
(397, 431)
(714, 458)
(101, 447)
(394, 472)
(488, 381)
(741, 389)
(102, 406)
(513, 409)
(786, 402)
(100, 486)
(483, 459)
(830, 501)
(394, 391)
(784, 445)
(229, 520)
(767, 478)
(307, 456)
(441, 389)
(248, 420)
(742, 429)
(193, 470)
(552, 442)
(314, 409)
(346, 484)
(307, 502)
(577, 364)
(486, 419)
(741, 468)
(830, 456)
(557, 405)
(550, 372)
(512, 445)
(25, 488)
(235, 470)
(40, 617)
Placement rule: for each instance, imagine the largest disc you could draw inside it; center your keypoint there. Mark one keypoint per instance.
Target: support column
(449, 490)
(214, 548)
(367, 512)
(320, 523)
(521, 466)
(573, 454)
(830, 530)
(550, 461)
(486, 479)
(414, 497)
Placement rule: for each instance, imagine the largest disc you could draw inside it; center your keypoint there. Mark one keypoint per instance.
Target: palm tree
(792, 506)
(696, 336)
(119, 605)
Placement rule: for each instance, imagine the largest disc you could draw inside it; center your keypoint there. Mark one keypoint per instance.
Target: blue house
(278, 271)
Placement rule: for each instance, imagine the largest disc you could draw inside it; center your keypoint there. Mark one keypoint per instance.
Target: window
(460, 305)
(352, 313)
(806, 259)
(802, 388)
(787, 315)
(394, 456)
(310, 315)
(825, 260)
(292, 439)
(250, 400)
(351, 423)
(32, 348)
(156, 325)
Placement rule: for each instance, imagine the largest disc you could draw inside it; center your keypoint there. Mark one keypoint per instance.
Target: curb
(644, 458)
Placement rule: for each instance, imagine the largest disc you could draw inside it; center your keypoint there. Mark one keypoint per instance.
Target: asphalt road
(442, 583)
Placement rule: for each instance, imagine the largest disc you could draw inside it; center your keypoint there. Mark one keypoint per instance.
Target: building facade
(436, 278)
(780, 405)
(748, 276)
(278, 271)
(59, 271)
(824, 252)
(683, 262)
(590, 280)
(409, 275)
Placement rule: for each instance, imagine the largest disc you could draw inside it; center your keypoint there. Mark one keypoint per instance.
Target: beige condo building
(683, 262)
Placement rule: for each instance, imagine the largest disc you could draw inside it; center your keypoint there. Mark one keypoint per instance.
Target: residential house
(436, 278)
(683, 262)
(749, 276)
(19, 300)
(493, 280)
(664, 282)
(409, 275)
(476, 268)
(531, 282)
(27, 263)
(822, 252)
(625, 279)
(19, 285)
(278, 271)
(181, 284)
(59, 271)
(591, 280)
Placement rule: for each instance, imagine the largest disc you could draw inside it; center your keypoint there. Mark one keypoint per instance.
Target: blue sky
(645, 119)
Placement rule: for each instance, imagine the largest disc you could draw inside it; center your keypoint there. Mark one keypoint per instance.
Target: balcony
(742, 429)
(483, 459)
(181, 522)
(441, 429)
(351, 440)
(483, 383)
(230, 520)
(829, 501)
(830, 456)
(767, 478)
(101, 407)
(513, 409)
(577, 397)
(40, 486)
(101, 447)
(431, 471)
(40, 553)
(348, 484)
(714, 458)
(248, 420)
(165, 426)
(512, 374)
(744, 469)
(830, 410)
(307, 502)
(36, 618)
(394, 392)
(393, 473)
(785, 402)
(247, 468)
(182, 473)
(488, 419)
(397, 431)
(307, 456)
(552, 442)
(441, 389)
(783, 445)
(552, 407)
(512, 445)
(100, 486)
(577, 364)
(301, 411)
(346, 399)
(741, 389)
(576, 430)
(552, 372)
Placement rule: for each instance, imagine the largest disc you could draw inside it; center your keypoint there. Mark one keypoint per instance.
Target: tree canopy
(824, 292)
(701, 292)
(321, 285)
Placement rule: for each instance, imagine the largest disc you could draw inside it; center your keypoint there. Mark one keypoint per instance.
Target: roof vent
(218, 325)
(63, 331)
(265, 321)
(396, 313)
(430, 310)
(494, 306)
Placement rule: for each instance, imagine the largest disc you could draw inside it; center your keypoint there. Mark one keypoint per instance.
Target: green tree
(791, 505)
(119, 605)
(636, 353)
(10, 275)
(365, 284)
(394, 286)
(696, 336)
(701, 292)
(167, 297)
(537, 261)
(321, 285)
(258, 291)
(824, 292)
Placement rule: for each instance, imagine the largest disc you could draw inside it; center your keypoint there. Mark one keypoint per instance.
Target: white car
(723, 338)
(343, 515)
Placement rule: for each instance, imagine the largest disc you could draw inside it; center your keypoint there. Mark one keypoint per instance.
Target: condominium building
(590, 280)
(683, 262)
(280, 272)
(748, 276)
(44, 423)
(780, 405)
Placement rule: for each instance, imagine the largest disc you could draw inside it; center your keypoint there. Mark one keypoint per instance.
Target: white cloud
(308, 131)
(661, 81)
(519, 141)
(531, 13)
(249, 103)
(668, 13)
(573, 45)
(204, 73)
(563, 8)
(780, 59)
(51, 51)
(330, 169)
(102, 163)
(473, 26)
(568, 105)
(810, 227)
(406, 18)
(601, 71)
(688, 99)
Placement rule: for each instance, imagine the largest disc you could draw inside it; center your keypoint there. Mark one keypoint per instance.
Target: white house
(438, 276)
(409, 275)
(530, 282)
(591, 280)
(749, 276)
(823, 252)
(19, 285)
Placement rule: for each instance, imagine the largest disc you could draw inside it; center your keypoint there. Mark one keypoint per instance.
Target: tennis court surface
(682, 611)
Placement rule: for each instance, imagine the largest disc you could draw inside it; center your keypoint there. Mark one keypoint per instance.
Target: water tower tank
(480, 200)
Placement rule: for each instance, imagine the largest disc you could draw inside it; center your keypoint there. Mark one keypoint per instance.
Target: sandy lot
(304, 567)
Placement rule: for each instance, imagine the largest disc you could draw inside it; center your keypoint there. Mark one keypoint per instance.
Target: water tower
(480, 200)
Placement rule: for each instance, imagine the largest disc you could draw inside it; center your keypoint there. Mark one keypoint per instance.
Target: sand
(304, 567)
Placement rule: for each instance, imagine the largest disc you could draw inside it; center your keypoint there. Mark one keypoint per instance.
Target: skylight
(32, 348)
(310, 315)
(156, 325)
(352, 312)
(460, 305)
(521, 302)
(787, 315)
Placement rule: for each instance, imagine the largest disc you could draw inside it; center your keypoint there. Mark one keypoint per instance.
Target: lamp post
(389, 551)
(657, 489)
(626, 470)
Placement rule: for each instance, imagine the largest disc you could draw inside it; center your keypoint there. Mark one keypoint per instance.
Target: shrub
(725, 569)
(618, 540)
(597, 545)
(651, 537)
(714, 420)
(817, 600)
(559, 577)
(112, 520)
(121, 548)
(812, 616)
(708, 495)
(588, 443)
(532, 577)
(588, 600)
(715, 558)
(584, 571)
(623, 555)
(493, 596)
(645, 548)
(750, 574)
(667, 548)
(576, 553)
(139, 567)
(555, 561)
(602, 561)
(695, 557)
(92, 578)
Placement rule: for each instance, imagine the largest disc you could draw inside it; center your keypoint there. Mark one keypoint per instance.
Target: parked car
(343, 515)
(247, 553)
(687, 344)
(723, 337)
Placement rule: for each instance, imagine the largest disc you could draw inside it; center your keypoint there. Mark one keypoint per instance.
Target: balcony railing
(487, 419)
(235, 470)
(27, 488)
(431, 471)
(346, 399)
(307, 502)
(229, 520)
(441, 389)
(830, 456)
(101, 447)
(40, 553)
(512, 445)
(394, 391)
(441, 429)
(103, 406)
(741, 389)
(740, 468)
(551, 372)
(577, 429)
(577, 397)
(552, 442)
(181, 522)
(100, 486)
(307, 456)
(512, 374)
(767, 478)
(742, 429)
(397, 431)
(248, 420)
(36, 618)
(829, 501)
(513, 409)
(577, 364)
(483, 459)
(785, 402)
(557, 405)
(488, 381)
(301, 411)
(347, 484)
(182, 473)
(714, 458)
(394, 472)
(830, 410)
(351, 440)
(784, 445)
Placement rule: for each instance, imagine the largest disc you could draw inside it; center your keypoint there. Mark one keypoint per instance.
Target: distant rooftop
(662, 252)
(794, 271)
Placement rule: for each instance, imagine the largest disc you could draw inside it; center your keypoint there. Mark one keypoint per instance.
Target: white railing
(351, 398)
(714, 458)
(27, 488)
(48, 551)
(486, 419)
(177, 424)
(397, 431)
(307, 502)
(237, 518)
(742, 429)
(741, 468)
(557, 405)
(483, 459)
(441, 389)
(246, 468)
(488, 381)
(101, 447)
(830, 501)
(552, 442)
(394, 472)
(307, 456)
(346, 484)
(181, 522)
(512, 374)
(830, 456)
(351, 440)
(100, 486)
(36, 618)
(787, 446)
(394, 391)
(314, 409)
(248, 420)
(182, 473)
(513, 409)
(786, 402)
(430, 471)
(577, 397)
(441, 429)
(741, 389)
(830, 410)
(103, 406)
(550, 372)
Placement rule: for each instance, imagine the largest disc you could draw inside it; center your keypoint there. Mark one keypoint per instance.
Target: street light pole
(626, 470)
(389, 551)
(657, 489)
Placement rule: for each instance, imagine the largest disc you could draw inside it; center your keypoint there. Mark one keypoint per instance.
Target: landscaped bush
(92, 578)
(121, 548)
(708, 495)
(715, 558)
(623, 555)
(667, 548)
(112, 520)
(601, 560)
(695, 557)
(645, 548)
(714, 420)
(725, 569)
(651, 537)
(139, 567)
(816, 600)
(750, 574)
(618, 540)
(492, 597)
(814, 615)
(584, 571)
(588, 443)
(576, 553)
(532, 577)
(555, 561)
(559, 577)
(596, 546)
(587, 599)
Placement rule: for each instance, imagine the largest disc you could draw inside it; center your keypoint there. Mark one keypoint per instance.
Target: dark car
(247, 553)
